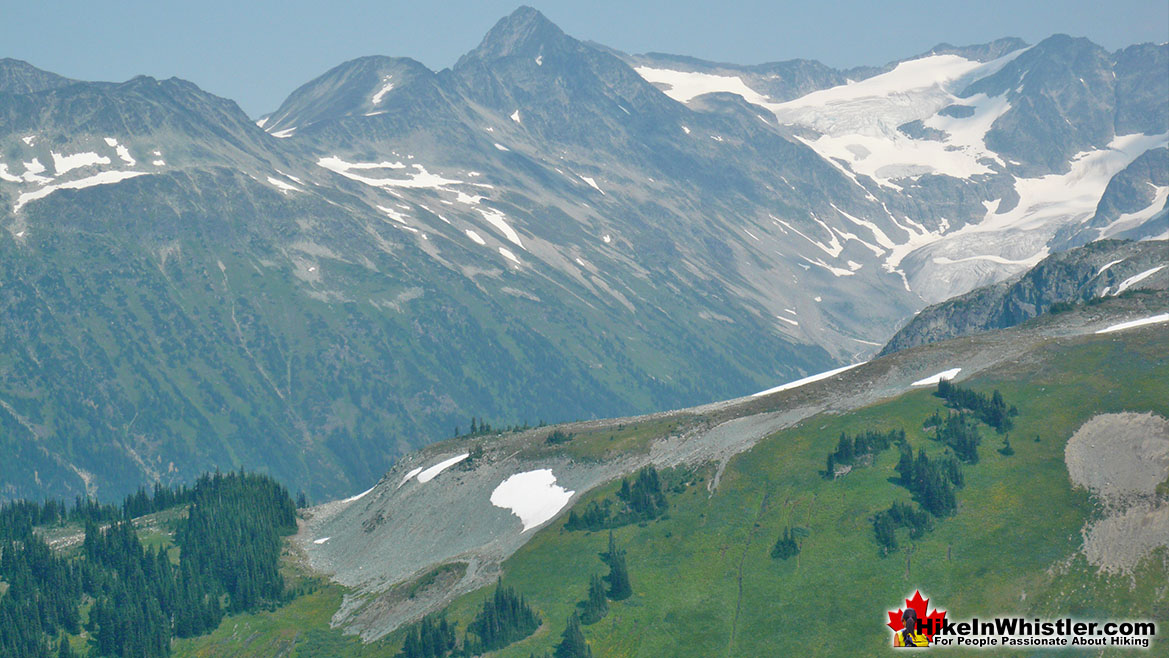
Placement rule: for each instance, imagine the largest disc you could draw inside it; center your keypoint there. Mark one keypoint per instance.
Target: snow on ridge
(1134, 219)
(1136, 278)
(282, 186)
(4, 175)
(685, 86)
(592, 183)
(946, 375)
(533, 496)
(103, 178)
(509, 254)
(499, 221)
(360, 495)
(66, 163)
(806, 380)
(385, 88)
(411, 474)
(1102, 269)
(432, 472)
(419, 178)
(1156, 319)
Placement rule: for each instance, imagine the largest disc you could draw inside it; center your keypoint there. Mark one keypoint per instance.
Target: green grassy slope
(705, 584)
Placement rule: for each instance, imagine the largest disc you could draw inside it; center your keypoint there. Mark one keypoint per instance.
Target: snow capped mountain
(548, 227)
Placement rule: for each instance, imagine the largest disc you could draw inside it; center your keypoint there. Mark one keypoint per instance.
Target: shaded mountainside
(1099, 269)
(548, 230)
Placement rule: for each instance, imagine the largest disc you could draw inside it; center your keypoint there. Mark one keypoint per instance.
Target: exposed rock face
(1097, 269)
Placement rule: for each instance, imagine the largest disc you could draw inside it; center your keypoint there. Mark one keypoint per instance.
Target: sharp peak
(522, 29)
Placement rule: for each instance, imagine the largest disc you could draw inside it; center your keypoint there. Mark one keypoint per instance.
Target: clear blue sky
(258, 52)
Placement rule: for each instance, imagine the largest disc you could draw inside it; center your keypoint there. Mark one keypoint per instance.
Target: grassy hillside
(704, 581)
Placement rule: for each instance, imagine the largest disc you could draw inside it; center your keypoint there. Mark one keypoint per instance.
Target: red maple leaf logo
(930, 623)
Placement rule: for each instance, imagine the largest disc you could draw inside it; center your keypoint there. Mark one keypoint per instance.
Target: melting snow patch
(409, 475)
(807, 380)
(360, 495)
(1156, 319)
(284, 187)
(1136, 278)
(515, 116)
(475, 238)
(533, 496)
(507, 253)
(282, 134)
(684, 86)
(381, 93)
(158, 163)
(64, 163)
(685, 130)
(592, 183)
(4, 175)
(497, 219)
(539, 60)
(607, 238)
(501, 147)
(1102, 269)
(32, 171)
(28, 139)
(934, 379)
(104, 178)
(432, 472)
(321, 540)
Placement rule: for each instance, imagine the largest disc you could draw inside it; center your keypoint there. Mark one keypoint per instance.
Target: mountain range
(548, 230)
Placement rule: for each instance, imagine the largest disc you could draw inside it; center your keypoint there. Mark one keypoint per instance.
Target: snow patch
(284, 134)
(685, 86)
(1102, 269)
(409, 475)
(499, 221)
(501, 147)
(934, 379)
(104, 178)
(533, 496)
(515, 116)
(66, 163)
(592, 183)
(381, 93)
(321, 540)
(432, 472)
(282, 186)
(360, 495)
(807, 380)
(1135, 279)
(1156, 319)
(508, 254)
(475, 238)
(4, 175)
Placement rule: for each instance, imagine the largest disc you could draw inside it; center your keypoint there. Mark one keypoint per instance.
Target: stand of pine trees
(993, 410)
(641, 499)
(505, 618)
(429, 639)
(230, 544)
(850, 450)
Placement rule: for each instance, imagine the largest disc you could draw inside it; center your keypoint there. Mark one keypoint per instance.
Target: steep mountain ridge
(1079, 275)
(538, 230)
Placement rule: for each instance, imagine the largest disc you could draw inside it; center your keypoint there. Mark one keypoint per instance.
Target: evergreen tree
(786, 546)
(619, 586)
(573, 644)
(596, 606)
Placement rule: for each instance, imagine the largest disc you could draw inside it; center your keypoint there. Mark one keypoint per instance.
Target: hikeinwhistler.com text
(1038, 633)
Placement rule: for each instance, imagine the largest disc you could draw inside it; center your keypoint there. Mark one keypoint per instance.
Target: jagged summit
(524, 32)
